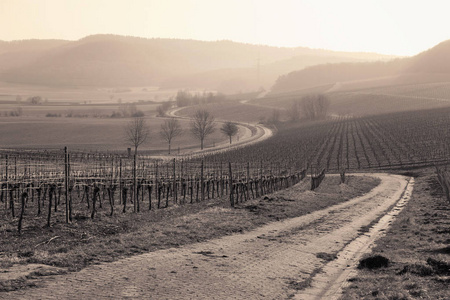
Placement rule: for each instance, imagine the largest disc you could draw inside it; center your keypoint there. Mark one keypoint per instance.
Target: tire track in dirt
(334, 276)
(270, 262)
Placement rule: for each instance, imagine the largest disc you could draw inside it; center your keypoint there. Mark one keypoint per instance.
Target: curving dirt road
(252, 133)
(272, 262)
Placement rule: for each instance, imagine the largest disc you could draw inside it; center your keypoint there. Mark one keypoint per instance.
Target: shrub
(138, 114)
(116, 114)
(373, 262)
(52, 115)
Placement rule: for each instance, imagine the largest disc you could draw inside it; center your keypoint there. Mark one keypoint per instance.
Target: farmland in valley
(71, 194)
(232, 110)
(370, 101)
(93, 134)
(383, 141)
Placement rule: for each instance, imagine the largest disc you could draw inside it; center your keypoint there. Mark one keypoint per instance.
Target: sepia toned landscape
(209, 150)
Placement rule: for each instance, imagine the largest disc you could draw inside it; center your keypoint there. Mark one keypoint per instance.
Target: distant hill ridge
(430, 65)
(112, 60)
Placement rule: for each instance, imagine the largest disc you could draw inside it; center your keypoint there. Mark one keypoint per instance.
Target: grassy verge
(417, 247)
(88, 241)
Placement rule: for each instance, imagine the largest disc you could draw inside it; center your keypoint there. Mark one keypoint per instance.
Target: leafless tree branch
(170, 129)
(202, 125)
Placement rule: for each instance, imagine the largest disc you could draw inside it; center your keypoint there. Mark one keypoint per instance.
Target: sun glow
(390, 27)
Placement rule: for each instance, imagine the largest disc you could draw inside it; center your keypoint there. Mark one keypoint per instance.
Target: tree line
(185, 98)
(202, 124)
(309, 107)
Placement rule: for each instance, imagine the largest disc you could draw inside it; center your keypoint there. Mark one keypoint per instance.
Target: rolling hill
(432, 65)
(110, 60)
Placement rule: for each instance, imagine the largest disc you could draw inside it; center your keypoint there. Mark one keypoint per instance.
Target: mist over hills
(20, 53)
(110, 60)
(432, 65)
(435, 60)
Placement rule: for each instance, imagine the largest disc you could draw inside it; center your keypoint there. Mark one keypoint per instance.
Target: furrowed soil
(25, 258)
(417, 249)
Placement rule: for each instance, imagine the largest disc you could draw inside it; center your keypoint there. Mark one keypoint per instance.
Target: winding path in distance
(267, 263)
(253, 133)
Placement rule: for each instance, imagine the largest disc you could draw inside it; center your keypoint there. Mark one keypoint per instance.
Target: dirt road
(249, 134)
(273, 262)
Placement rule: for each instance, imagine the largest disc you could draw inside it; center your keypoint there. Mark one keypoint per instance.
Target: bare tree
(293, 113)
(308, 107)
(202, 125)
(275, 117)
(162, 109)
(229, 129)
(170, 129)
(315, 106)
(136, 134)
(322, 105)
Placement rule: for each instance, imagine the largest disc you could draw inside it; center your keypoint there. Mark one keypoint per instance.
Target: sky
(394, 27)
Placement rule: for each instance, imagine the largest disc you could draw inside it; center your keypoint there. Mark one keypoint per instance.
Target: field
(82, 119)
(370, 101)
(417, 247)
(384, 142)
(376, 142)
(93, 134)
(232, 110)
(81, 95)
(67, 110)
(115, 212)
(437, 91)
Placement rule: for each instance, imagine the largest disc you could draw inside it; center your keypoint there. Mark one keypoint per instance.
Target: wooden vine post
(202, 190)
(22, 211)
(135, 198)
(113, 173)
(7, 184)
(15, 180)
(221, 178)
(66, 183)
(174, 182)
(182, 183)
(248, 180)
(70, 187)
(120, 180)
(157, 193)
(231, 184)
(50, 197)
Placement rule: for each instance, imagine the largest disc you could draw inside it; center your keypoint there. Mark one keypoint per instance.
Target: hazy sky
(384, 26)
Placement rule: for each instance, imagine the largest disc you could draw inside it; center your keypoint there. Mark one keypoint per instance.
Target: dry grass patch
(417, 249)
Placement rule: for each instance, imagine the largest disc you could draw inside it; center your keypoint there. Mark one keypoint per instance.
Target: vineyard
(363, 103)
(394, 140)
(358, 101)
(62, 186)
(438, 90)
(51, 186)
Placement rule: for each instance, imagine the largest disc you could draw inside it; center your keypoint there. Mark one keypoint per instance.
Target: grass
(80, 94)
(417, 247)
(89, 241)
(232, 110)
(362, 101)
(75, 110)
(90, 134)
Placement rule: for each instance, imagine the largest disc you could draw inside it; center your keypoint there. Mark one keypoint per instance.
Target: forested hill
(110, 60)
(434, 60)
(333, 73)
(430, 65)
